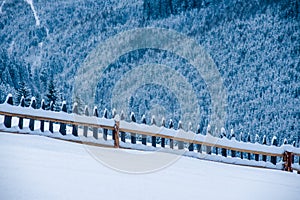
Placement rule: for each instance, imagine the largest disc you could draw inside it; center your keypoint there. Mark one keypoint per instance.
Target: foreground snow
(35, 167)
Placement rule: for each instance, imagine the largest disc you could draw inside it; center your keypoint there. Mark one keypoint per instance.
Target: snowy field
(37, 167)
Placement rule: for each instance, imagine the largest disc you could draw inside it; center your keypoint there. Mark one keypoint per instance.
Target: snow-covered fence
(221, 149)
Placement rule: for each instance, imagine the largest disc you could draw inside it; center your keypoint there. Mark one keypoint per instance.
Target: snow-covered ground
(36, 167)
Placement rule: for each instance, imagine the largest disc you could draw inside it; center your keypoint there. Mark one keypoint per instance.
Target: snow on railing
(215, 148)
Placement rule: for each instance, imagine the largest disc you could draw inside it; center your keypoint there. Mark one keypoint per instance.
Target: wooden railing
(281, 157)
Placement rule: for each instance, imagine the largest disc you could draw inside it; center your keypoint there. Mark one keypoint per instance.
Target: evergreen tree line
(51, 95)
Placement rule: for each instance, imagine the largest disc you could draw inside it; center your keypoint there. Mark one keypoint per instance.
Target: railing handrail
(285, 151)
(75, 119)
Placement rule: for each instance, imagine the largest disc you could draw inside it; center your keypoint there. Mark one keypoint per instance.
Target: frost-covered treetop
(122, 117)
(105, 113)
(232, 133)
(256, 138)
(190, 127)
(274, 140)
(179, 125)
(117, 117)
(208, 128)
(153, 121)
(223, 132)
(114, 112)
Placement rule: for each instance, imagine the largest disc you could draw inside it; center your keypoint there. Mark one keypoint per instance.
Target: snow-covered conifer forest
(254, 44)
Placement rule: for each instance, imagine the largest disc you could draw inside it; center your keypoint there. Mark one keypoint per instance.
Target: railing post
(116, 132)
(144, 137)
(22, 104)
(133, 135)
(75, 127)
(241, 140)
(199, 146)
(293, 157)
(63, 127)
(223, 135)
(180, 143)
(153, 138)
(163, 140)
(7, 119)
(216, 135)
(114, 113)
(274, 158)
(232, 134)
(264, 142)
(95, 130)
(43, 107)
(256, 156)
(33, 106)
(123, 134)
(171, 140)
(208, 132)
(105, 130)
(85, 128)
(51, 123)
(287, 158)
(249, 140)
(191, 145)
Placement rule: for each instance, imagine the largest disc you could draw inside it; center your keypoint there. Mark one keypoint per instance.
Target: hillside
(255, 46)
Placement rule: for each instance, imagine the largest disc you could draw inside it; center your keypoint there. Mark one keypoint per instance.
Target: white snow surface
(36, 17)
(35, 167)
(1, 6)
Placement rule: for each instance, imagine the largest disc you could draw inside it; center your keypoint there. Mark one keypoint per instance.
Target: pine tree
(23, 91)
(52, 94)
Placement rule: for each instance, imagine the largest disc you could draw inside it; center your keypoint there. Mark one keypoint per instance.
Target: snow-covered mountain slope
(34, 167)
(254, 44)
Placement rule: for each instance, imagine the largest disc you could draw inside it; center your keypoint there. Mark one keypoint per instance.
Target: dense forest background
(255, 45)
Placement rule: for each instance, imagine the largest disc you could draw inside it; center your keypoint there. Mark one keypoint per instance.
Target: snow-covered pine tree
(52, 95)
(80, 104)
(23, 91)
